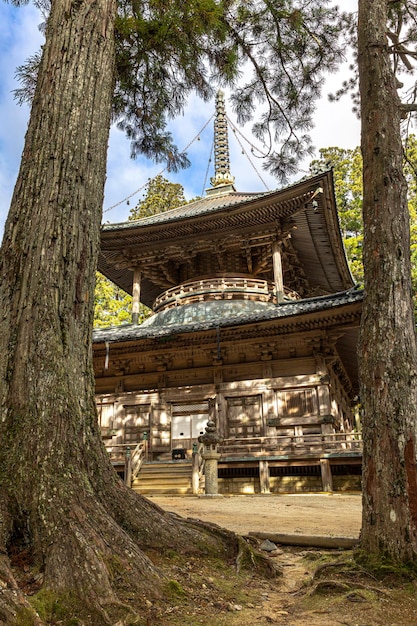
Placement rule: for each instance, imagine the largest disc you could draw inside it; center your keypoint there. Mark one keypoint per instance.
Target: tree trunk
(387, 351)
(59, 496)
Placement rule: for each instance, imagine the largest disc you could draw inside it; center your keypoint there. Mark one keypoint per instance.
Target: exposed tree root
(337, 586)
(245, 553)
(345, 579)
(92, 559)
(335, 564)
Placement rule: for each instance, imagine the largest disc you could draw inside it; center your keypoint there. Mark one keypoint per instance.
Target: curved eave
(317, 236)
(319, 242)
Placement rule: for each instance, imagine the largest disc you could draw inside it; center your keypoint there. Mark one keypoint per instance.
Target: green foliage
(288, 46)
(112, 305)
(161, 195)
(166, 50)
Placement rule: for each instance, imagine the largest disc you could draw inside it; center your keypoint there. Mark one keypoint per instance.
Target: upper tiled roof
(202, 206)
(213, 202)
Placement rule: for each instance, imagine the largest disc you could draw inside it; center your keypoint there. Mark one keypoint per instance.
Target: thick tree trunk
(59, 495)
(387, 352)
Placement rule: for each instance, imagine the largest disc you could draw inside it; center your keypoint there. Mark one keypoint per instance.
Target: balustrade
(280, 445)
(220, 288)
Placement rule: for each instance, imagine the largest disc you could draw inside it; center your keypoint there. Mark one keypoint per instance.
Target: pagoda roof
(306, 209)
(196, 208)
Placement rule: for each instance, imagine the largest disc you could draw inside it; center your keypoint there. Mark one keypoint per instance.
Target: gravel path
(307, 514)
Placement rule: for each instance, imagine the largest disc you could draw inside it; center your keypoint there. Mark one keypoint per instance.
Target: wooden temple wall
(302, 402)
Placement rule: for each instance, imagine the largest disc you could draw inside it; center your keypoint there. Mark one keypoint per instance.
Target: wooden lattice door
(136, 423)
(244, 416)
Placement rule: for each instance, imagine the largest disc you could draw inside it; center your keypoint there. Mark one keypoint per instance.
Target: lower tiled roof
(220, 313)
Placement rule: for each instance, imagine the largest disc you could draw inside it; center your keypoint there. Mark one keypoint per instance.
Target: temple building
(255, 327)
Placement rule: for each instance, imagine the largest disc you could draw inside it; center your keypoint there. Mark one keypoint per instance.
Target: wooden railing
(294, 445)
(122, 454)
(220, 288)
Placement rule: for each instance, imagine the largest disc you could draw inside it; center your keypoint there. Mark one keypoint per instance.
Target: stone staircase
(170, 477)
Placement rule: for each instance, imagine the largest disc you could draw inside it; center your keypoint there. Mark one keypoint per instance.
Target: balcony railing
(131, 456)
(294, 445)
(220, 288)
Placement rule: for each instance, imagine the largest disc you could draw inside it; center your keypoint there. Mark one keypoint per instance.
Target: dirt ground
(317, 587)
(316, 514)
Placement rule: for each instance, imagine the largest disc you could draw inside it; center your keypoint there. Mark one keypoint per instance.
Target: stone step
(164, 477)
(161, 488)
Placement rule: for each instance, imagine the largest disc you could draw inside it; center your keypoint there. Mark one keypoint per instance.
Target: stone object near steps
(210, 441)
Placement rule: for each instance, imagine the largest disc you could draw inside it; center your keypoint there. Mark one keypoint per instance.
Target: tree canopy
(112, 305)
(275, 54)
(160, 195)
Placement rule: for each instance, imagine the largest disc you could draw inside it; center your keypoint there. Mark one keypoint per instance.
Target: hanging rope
(127, 198)
(208, 167)
(236, 131)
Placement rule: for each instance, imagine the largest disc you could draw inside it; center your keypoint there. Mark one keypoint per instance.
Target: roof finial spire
(222, 177)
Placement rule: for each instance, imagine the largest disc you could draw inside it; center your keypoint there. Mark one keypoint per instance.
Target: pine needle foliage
(273, 54)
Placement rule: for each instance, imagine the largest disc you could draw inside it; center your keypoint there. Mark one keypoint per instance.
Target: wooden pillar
(264, 476)
(277, 266)
(326, 475)
(222, 417)
(128, 468)
(136, 296)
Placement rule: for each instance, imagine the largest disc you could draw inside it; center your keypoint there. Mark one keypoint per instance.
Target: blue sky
(20, 37)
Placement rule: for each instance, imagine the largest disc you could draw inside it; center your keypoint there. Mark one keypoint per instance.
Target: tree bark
(387, 350)
(59, 496)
